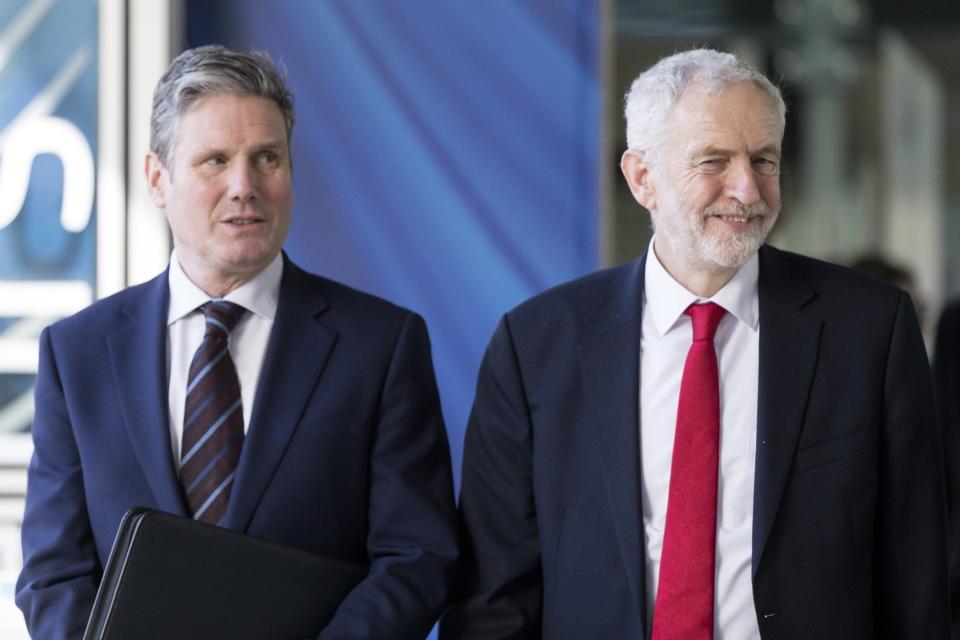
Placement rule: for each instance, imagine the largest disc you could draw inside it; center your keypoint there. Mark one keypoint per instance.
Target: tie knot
(221, 317)
(706, 318)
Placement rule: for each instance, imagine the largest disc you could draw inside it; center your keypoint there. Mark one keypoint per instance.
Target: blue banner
(48, 135)
(445, 153)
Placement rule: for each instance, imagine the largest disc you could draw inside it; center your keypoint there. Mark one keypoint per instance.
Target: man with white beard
(720, 440)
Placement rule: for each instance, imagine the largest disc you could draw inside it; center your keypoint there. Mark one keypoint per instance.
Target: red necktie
(684, 607)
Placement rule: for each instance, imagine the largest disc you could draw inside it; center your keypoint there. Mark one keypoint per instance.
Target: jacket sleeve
(910, 582)
(946, 377)
(412, 521)
(499, 584)
(61, 570)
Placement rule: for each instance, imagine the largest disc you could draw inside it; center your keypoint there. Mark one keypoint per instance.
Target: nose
(741, 182)
(242, 183)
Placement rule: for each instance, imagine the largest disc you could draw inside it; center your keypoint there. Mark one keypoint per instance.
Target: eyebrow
(770, 148)
(711, 150)
(268, 145)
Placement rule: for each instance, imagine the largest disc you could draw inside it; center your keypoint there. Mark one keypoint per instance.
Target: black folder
(170, 577)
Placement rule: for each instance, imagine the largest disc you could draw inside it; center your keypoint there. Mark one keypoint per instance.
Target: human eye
(215, 160)
(766, 166)
(711, 164)
(267, 159)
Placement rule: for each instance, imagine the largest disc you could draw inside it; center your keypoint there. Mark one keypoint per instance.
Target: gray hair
(212, 70)
(657, 90)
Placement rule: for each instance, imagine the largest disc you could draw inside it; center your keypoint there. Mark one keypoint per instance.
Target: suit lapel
(298, 350)
(789, 340)
(610, 373)
(138, 355)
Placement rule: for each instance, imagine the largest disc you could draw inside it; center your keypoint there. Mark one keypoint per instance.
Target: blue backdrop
(48, 71)
(445, 152)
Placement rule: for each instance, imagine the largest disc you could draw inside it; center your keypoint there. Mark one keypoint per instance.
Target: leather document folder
(170, 577)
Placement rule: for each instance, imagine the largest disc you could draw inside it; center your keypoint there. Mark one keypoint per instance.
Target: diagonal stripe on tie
(201, 374)
(226, 459)
(195, 410)
(214, 448)
(214, 428)
(220, 492)
(213, 417)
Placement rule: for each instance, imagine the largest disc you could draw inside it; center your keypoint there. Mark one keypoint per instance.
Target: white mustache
(749, 211)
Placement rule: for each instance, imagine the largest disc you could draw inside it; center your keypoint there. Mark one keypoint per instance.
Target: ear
(157, 179)
(637, 172)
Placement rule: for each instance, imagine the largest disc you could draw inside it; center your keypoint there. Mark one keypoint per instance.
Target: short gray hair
(657, 90)
(213, 70)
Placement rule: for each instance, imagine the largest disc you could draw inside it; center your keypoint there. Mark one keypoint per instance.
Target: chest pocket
(828, 451)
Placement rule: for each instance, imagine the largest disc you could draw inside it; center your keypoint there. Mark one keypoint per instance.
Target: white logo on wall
(35, 131)
(63, 139)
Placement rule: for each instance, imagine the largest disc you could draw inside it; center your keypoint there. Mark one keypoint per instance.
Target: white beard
(689, 241)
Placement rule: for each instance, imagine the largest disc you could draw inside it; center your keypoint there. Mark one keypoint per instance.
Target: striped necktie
(212, 418)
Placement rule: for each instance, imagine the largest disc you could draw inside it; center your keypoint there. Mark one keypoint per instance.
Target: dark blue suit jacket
(848, 529)
(345, 455)
(946, 378)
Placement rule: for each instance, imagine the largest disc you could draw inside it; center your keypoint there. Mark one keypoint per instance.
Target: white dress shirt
(248, 340)
(666, 338)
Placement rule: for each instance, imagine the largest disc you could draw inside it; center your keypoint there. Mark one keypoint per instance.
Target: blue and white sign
(48, 134)
(50, 265)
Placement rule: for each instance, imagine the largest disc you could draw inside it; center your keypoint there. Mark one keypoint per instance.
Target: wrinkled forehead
(222, 121)
(738, 115)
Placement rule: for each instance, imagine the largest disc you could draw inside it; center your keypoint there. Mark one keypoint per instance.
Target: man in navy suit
(827, 512)
(341, 449)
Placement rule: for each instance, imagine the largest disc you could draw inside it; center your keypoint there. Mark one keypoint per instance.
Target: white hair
(657, 90)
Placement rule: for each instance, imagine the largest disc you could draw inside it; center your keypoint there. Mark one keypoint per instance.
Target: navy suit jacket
(946, 377)
(345, 455)
(848, 526)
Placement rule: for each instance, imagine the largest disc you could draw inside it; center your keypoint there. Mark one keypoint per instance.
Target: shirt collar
(260, 295)
(667, 299)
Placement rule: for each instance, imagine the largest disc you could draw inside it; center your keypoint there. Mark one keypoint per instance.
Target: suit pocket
(828, 451)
